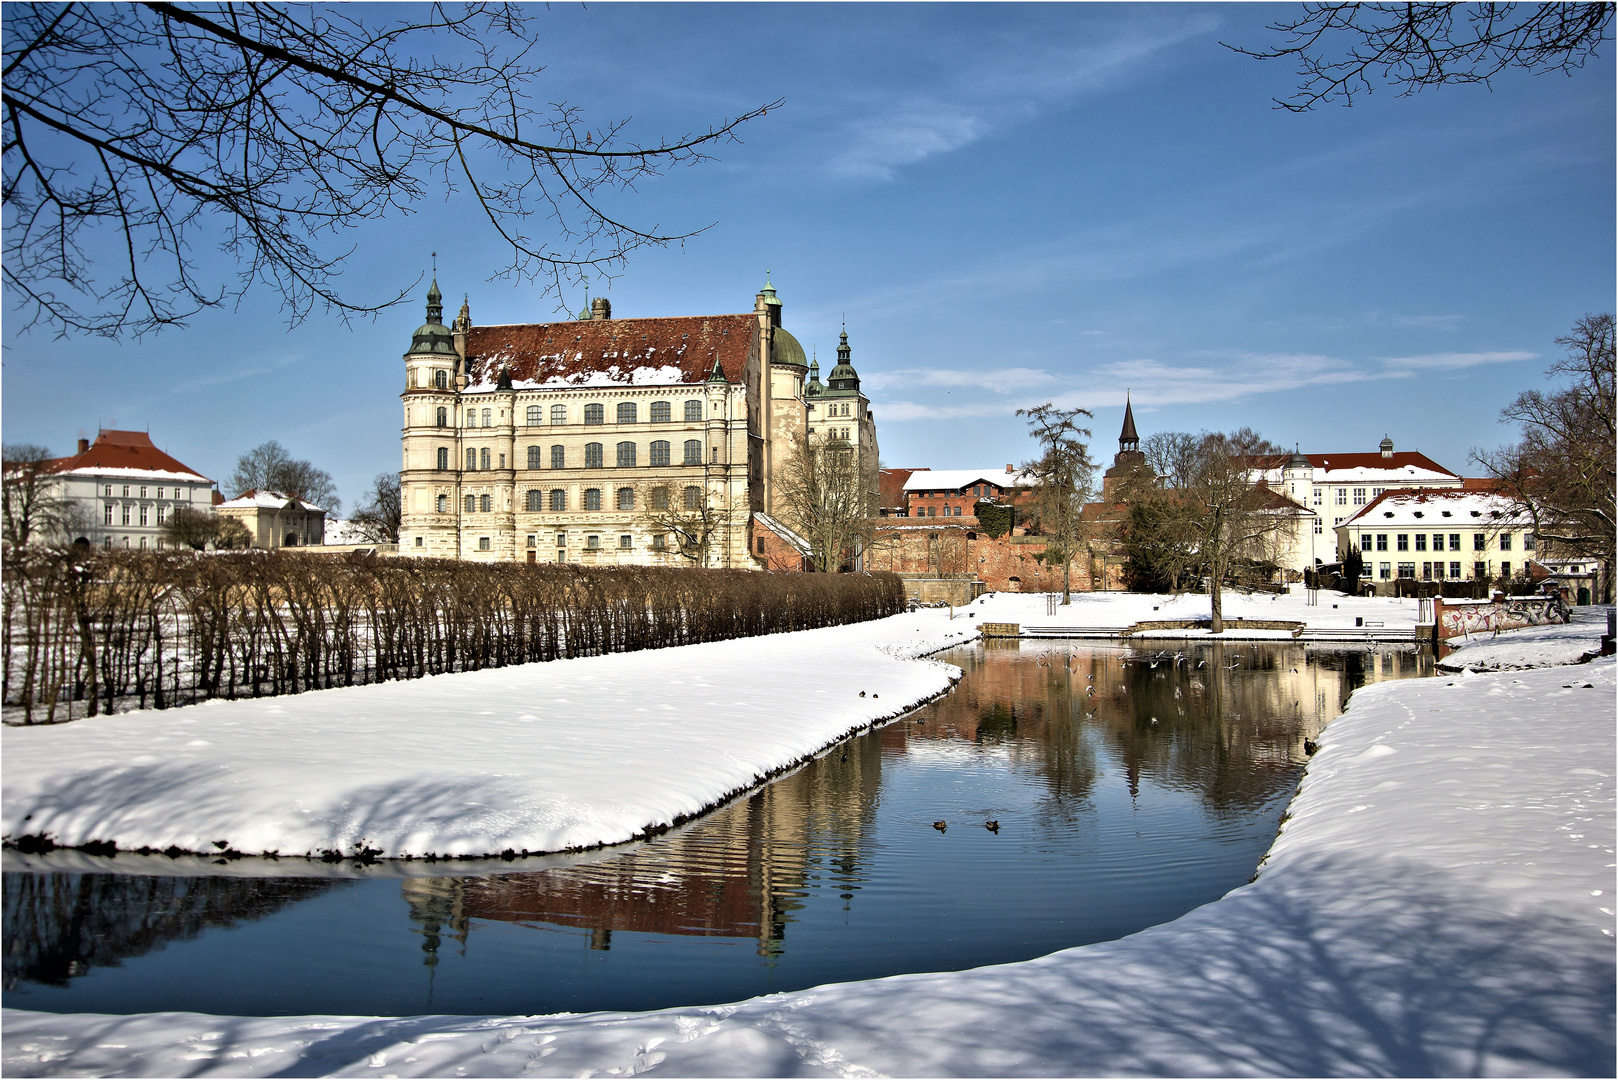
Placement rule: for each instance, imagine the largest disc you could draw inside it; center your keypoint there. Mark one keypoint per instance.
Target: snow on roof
(956, 479)
(1440, 508)
(266, 500)
(803, 546)
(611, 352)
(126, 455)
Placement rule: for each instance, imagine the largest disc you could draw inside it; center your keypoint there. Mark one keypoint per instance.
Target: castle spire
(1128, 440)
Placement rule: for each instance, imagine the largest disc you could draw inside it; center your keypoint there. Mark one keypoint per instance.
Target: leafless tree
(379, 515)
(195, 529)
(1061, 482)
(1347, 49)
(34, 507)
(1562, 472)
(269, 467)
(151, 130)
(828, 495)
(685, 512)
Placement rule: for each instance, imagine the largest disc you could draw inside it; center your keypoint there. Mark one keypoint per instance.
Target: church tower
(1129, 462)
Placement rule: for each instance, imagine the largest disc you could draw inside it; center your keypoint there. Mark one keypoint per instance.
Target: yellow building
(1447, 534)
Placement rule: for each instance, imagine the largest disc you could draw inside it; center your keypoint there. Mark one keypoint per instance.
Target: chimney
(1009, 469)
(84, 446)
(600, 309)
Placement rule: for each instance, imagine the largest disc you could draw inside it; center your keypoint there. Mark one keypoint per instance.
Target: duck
(992, 826)
(940, 825)
(1310, 746)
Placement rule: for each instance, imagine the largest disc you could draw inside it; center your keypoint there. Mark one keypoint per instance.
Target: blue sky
(1008, 205)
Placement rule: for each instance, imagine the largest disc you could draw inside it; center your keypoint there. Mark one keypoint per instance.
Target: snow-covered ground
(1438, 903)
(1532, 646)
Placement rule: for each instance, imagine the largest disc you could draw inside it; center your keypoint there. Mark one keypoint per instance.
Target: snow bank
(1531, 646)
(542, 757)
(1091, 610)
(1439, 903)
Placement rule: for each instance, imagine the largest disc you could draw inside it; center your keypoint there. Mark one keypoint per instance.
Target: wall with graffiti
(1461, 618)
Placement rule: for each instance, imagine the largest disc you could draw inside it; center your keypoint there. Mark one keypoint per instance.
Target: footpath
(1438, 902)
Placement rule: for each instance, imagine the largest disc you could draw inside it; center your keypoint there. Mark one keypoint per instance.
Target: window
(109, 491)
(1505, 569)
(1407, 569)
(558, 414)
(1427, 571)
(561, 540)
(126, 514)
(693, 412)
(660, 452)
(536, 415)
(1454, 543)
(1403, 542)
(486, 422)
(143, 493)
(932, 511)
(660, 541)
(761, 545)
(1455, 570)
(535, 457)
(1505, 541)
(592, 455)
(1365, 541)
(693, 497)
(1421, 541)
(471, 459)
(483, 543)
(536, 502)
(1528, 541)
(1320, 527)
(593, 542)
(1382, 541)
(1317, 496)
(1342, 496)
(443, 503)
(443, 457)
(143, 543)
(485, 503)
(662, 412)
(440, 380)
(107, 542)
(443, 417)
(625, 540)
(626, 412)
(1480, 570)
(1384, 571)
(1478, 542)
(660, 498)
(483, 458)
(109, 511)
(626, 498)
(558, 457)
(1359, 496)
(558, 500)
(595, 414)
(160, 492)
(162, 515)
(1377, 491)
(126, 491)
(693, 451)
(626, 455)
(471, 504)
(592, 498)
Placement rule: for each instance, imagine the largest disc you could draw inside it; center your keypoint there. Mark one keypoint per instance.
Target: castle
(615, 441)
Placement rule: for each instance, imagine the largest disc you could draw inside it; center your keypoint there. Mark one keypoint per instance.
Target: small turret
(814, 387)
(770, 300)
(1387, 446)
(433, 336)
(843, 378)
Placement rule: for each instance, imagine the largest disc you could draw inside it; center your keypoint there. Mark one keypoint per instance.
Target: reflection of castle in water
(737, 873)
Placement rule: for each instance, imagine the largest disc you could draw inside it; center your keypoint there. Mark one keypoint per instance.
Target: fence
(94, 631)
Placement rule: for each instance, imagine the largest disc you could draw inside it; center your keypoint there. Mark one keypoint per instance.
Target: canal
(1060, 794)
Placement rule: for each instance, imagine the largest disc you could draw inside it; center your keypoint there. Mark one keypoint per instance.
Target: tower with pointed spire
(1129, 463)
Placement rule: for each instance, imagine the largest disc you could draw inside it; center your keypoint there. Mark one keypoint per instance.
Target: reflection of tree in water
(58, 926)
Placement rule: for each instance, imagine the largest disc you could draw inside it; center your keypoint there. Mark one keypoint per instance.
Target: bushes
(86, 630)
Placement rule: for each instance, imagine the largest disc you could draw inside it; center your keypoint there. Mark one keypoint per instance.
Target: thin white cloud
(1000, 381)
(1451, 361)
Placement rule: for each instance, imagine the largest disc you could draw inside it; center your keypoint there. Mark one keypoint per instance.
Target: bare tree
(1060, 480)
(195, 529)
(1562, 473)
(269, 467)
(150, 130)
(829, 495)
(1346, 49)
(34, 507)
(687, 513)
(379, 515)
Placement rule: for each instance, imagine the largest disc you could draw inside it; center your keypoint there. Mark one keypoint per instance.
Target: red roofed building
(547, 442)
(120, 490)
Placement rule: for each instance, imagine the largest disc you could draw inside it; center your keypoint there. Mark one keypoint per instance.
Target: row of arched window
(555, 500)
(661, 412)
(626, 456)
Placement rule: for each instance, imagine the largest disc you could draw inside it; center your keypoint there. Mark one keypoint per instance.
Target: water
(1117, 809)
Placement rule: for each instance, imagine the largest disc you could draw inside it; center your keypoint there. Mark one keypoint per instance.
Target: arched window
(536, 499)
(693, 497)
(485, 503)
(595, 414)
(443, 503)
(693, 411)
(693, 451)
(592, 498)
(471, 459)
(626, 498)
(558, 414)
(558, 499)
(660, 452)
(592, 455)
(443, 416)
(471, 504)
(626, 455)
(443, 457)
(662, 412)
(483, 458)
(626, 412)
(558, 457)
(441, 379)
(535, 458)
(536, 415)
(660, 498)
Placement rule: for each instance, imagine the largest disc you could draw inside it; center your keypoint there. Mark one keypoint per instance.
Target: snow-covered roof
(125, 455)
(956, 479)
(266, 500)
(803, 546)
(611, 352)
(1403, 467)
(1439, 508)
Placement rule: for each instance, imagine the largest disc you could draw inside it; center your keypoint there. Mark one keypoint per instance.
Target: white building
(1338, 486)
(275, 520)
(1450, 534)
(123, 488)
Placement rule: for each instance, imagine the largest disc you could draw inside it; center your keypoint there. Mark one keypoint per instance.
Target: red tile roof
(124, 450)
(892, 485)
(1372, 460)
(574, 351)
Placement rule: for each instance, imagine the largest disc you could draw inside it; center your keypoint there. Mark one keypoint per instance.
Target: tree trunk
(1215, 599)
